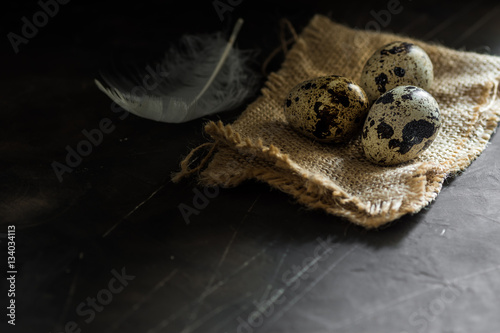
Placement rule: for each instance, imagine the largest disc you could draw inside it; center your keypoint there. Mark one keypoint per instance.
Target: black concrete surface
(107, 250)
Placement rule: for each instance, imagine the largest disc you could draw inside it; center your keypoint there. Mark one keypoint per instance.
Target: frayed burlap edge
(312, 189)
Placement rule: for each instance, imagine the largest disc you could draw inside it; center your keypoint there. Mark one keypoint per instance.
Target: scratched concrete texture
(106, 248)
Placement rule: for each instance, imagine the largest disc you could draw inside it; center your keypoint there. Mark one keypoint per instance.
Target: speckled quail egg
(396, 64)
(400, 125)
(328, 109)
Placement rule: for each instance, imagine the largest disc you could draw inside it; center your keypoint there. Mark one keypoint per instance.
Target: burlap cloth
(337, 177)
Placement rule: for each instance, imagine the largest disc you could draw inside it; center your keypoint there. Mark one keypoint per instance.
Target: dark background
(436, 271)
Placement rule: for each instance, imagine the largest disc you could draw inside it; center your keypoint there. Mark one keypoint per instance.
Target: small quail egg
(396, 64)
(327, 109)
(400, 125)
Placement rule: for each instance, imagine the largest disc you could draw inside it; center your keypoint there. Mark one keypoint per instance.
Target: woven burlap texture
(337, 177)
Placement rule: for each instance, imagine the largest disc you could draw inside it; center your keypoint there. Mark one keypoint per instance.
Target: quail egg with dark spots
(396, 64)
(400, 125)
(327, 109)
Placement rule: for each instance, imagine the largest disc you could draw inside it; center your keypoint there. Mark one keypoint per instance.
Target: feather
(203, 76)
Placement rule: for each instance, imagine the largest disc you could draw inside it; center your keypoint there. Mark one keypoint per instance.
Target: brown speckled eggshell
(396, 64)
(400, 125)
(327, 109)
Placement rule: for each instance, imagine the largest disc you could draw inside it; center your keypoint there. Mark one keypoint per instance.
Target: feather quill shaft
(223, 58)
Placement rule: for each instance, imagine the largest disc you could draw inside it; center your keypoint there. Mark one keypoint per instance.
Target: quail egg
(328, 109)
(396, 64)
(400, 125)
